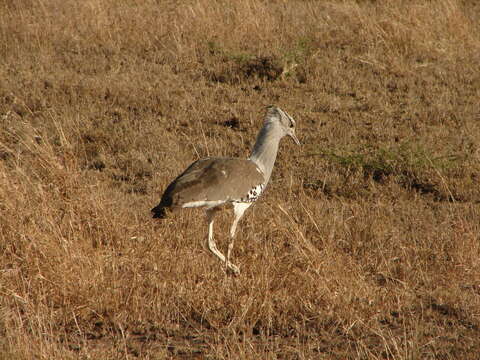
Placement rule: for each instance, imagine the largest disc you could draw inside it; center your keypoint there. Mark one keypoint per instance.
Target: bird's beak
(294, 137)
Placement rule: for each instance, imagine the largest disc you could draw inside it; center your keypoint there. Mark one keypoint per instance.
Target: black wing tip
(158, 212)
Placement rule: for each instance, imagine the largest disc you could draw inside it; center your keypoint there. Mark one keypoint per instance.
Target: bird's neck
(265, 149)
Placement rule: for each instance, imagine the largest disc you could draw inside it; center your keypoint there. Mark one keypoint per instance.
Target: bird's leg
(213, 247)
(211, 242)
(238, 209)
(232, 237)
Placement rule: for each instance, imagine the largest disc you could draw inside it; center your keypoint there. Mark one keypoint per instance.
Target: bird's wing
(214, 179)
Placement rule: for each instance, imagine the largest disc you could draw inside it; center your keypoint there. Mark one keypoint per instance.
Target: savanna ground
(366, 244)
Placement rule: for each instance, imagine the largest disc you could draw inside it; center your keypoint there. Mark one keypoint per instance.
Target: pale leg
(213, 247)
(238, 209)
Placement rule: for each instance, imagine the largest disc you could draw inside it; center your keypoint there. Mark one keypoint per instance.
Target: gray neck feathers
(265, 149)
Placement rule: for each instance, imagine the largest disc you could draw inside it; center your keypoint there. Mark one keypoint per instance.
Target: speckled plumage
(253, 194)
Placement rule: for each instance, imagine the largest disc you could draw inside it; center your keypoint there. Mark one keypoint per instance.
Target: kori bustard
(214, 182)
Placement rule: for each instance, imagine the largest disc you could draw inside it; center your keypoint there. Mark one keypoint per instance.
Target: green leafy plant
(406, 161)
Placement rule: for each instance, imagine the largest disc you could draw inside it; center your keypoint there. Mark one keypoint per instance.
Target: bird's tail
(158, 212)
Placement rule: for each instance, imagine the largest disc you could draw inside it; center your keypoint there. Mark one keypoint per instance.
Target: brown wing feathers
(211, 179)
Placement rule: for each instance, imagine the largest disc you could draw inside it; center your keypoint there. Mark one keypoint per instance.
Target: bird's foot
(233, 269)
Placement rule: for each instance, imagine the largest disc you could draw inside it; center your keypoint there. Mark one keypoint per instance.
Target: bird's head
(285, 121)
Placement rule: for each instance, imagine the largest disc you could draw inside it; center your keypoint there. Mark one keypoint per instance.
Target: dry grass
(366, 244)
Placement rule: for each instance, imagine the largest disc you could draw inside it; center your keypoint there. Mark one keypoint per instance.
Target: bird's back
(209, 181)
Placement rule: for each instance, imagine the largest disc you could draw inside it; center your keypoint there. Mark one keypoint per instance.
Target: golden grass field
(366, 244)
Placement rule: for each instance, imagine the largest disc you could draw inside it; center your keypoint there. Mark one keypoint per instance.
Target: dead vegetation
(366, 244)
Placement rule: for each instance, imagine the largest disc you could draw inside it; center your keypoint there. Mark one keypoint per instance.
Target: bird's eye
(291, 125)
